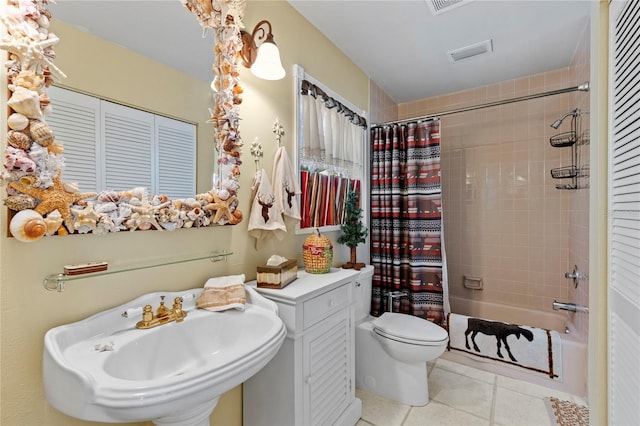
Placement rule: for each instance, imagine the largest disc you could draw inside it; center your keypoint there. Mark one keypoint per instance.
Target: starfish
(86, 217)
(54, 197)
(222, 209)
(30, 50)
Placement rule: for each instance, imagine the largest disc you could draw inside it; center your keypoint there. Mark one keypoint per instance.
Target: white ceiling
(401, 45)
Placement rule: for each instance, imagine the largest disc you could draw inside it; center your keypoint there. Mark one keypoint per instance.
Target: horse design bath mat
(531, 348)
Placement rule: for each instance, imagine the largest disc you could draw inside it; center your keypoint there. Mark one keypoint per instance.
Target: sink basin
(104, 369)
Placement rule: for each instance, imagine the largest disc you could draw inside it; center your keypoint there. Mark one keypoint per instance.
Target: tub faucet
(163, 314)
(571, 307)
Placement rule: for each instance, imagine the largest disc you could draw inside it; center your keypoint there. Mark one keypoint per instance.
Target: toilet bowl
(392, 350)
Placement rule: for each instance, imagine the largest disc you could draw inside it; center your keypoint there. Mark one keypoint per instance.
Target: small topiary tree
(353, 231)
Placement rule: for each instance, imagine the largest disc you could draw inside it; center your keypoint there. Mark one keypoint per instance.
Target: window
(331, 151)
(112, 146)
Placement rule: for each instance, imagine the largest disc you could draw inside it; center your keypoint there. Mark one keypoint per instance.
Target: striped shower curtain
(407, 245)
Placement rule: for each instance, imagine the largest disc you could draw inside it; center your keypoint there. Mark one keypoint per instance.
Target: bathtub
(574, 352)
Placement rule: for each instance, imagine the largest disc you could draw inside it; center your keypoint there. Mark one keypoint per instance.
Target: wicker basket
(317, 253)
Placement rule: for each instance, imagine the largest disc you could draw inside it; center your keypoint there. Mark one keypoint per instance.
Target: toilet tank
(362, 293)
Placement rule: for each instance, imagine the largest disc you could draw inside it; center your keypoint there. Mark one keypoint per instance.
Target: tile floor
(461, 395)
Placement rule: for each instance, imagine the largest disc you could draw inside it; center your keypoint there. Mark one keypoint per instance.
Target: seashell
(19, 202)
(53, 222)
(169, 226)
(44, 100)
(237, 214)
(28, 180)
(27, 226)
(55, 148)
(144, 226)
(206, 196)
(108, 195)
(71, 187)
(223, 194)
(138, 193)
(18, 140)
(202, 221)
(191, 203)
(41, 133)
(43, 21)
(17, 121)
(32, 22)
(159, 199)
(13, 67)
(25, 102)
(107, 207)
(17, 159)
(194, 214)
(48, 79)
(29, 80)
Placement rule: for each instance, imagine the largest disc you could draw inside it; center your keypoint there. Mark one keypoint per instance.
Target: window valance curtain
(333, 135)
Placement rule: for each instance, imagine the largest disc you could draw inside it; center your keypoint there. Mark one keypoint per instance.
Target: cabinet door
(327, 369)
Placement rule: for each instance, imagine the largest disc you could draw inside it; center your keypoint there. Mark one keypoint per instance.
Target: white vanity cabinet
(311, 380)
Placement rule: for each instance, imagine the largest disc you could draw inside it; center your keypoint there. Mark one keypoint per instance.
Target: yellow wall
(28, 311)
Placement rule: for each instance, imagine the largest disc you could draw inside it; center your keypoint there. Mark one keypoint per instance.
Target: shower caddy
(563, 140)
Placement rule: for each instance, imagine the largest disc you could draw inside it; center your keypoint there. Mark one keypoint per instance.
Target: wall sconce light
(263, 60)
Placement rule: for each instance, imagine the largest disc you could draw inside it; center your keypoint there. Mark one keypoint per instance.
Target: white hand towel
(285, 185)
(223, 293)
(264, 219)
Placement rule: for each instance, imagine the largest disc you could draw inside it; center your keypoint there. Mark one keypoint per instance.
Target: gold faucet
(163, 314)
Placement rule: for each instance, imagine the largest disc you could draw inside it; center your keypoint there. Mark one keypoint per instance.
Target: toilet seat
(409, 329)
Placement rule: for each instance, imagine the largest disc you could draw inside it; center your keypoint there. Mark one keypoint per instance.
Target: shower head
(559, 121)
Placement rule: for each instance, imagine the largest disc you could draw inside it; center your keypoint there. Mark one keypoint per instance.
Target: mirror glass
(152, 29)
(34, 170)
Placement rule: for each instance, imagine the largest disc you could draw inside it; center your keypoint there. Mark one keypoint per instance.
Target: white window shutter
(176, 154)
(111, 146)
(74, 120)
(624, 217)
(128, 147)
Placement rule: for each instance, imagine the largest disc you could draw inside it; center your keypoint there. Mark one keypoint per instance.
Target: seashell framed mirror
(34, 158)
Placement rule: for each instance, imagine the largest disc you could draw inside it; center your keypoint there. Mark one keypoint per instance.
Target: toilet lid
(409, 328)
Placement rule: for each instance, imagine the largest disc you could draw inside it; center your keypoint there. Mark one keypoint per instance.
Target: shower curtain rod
(584, 87)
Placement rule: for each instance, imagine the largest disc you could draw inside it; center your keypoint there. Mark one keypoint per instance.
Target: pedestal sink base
(196, 416)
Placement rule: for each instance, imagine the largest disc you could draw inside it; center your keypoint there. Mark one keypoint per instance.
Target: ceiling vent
(440, 6)
(471, 50)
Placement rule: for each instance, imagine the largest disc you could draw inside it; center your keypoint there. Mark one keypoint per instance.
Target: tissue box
(277, 276)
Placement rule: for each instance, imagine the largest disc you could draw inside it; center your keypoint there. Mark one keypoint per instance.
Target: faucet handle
(177, 309)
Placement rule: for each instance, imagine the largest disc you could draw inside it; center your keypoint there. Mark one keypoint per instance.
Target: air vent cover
(440, 6)
(471, 50)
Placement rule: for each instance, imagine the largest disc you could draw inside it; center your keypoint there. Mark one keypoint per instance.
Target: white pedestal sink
(104, 369)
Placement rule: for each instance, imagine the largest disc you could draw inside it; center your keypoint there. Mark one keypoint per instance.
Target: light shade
(267, 65)
(264, 60)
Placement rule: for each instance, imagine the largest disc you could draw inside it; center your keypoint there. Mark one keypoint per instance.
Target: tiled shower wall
(504, 219)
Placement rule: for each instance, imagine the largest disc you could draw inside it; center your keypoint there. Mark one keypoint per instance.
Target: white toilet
(392, 351)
